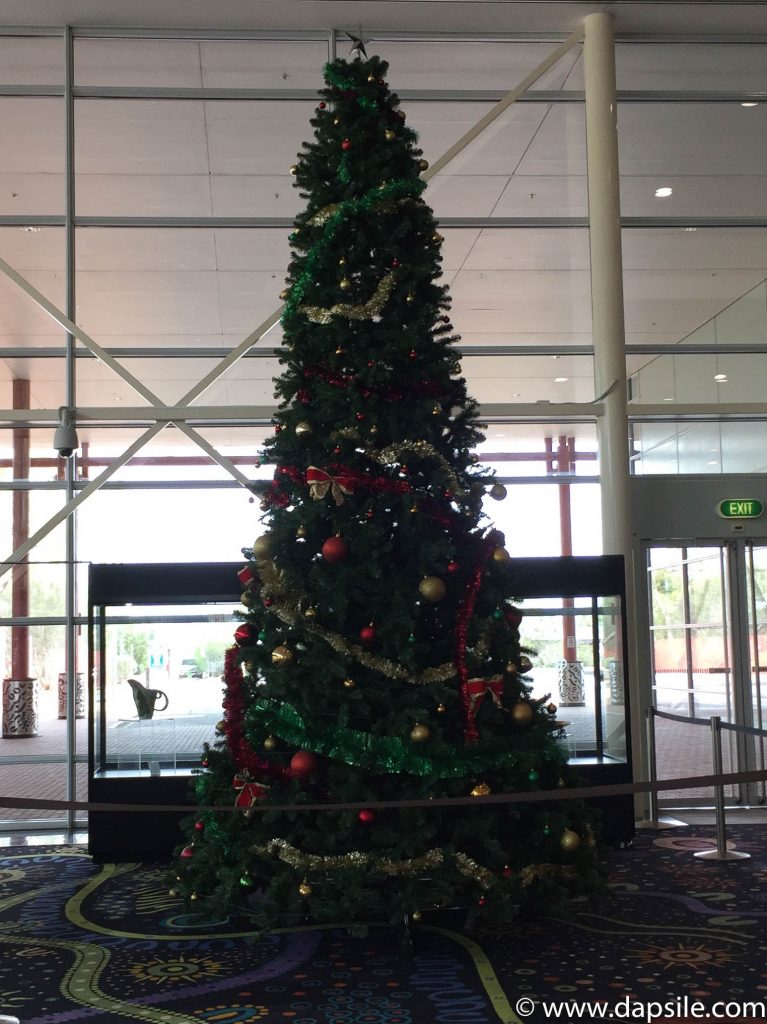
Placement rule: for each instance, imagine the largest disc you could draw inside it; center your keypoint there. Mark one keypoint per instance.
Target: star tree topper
(358, 46)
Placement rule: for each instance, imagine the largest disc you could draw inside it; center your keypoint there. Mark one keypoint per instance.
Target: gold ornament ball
(270, 743)
(441, 709)
(437, 237)
(501, 555)
(303, 429)
(525, 664)
(416, 915)
(511, 668)
(420, 733)
(305, 889)
(481, 789)
(301, 532)
(345, 284)
(349, 683)
(389, 135)
(498, 492)
(262, 546)
(293, 169)
(342, 261)
(310, 614)
(551, 708)
(522, 713)
(246, 598)
(569, 840)
(371, 78)
(192, 895)
(282, 656)
(221, 726)
(409, 298)
(423, 165)
(264, 505)
(285, 294)
(432, 589)
(374, 430)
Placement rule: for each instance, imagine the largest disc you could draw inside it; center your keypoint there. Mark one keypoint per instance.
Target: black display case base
(139, 833)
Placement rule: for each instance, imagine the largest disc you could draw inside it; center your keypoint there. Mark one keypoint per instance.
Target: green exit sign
(740, 508)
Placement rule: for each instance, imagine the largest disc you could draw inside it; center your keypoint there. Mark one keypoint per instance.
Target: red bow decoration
(249, 792)
(321, 482)
(477, 688)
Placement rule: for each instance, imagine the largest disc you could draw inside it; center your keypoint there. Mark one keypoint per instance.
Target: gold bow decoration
(248, 791)
(321, 482)
(477, 688)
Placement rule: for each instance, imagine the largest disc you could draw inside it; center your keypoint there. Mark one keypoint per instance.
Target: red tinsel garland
(465, 611)
(234, 717)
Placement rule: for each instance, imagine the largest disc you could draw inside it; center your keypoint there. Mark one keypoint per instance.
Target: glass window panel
(706, 66)
(711, 154)
(31, 60)
(476, 64)
(729, 447)
(528, 449)
(32, 155)
(697, 286)
(263, 64)
(501, 379)
(125, 526)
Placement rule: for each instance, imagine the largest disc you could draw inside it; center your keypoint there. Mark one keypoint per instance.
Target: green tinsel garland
(373, 198)
(386, 753)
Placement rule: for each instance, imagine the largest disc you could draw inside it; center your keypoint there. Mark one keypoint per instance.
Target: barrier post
(655, 820)
(721, 852)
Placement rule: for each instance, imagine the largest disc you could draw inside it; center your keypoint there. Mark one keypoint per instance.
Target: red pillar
(20, 572)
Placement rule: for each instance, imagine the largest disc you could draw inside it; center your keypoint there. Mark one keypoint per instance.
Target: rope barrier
(552, 795)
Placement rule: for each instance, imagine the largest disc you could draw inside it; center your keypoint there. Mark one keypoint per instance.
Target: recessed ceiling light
(720, 378)
(713, 462)
(749, 104)
(663, 192)
(560, 380)
(668, 399)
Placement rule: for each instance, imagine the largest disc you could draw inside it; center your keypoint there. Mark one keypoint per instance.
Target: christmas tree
(379, 660)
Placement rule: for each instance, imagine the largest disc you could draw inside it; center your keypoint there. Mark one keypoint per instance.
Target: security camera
(65, 439)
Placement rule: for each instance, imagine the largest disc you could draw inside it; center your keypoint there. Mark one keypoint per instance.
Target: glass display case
(574, 621)
(157, 637)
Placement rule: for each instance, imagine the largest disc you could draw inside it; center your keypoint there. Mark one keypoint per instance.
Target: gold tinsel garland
(282, 850)
(393, 453)
(286, 604)
(533, 872)
(364, 311)
(471, 869)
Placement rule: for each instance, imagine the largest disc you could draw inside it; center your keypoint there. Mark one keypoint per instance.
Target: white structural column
(608, 326)
(607, 281)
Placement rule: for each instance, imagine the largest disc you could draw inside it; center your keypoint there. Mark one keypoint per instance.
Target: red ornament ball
(334, 550)
(278, 429)
(245, 635)
(322, 104)
(395, 262)
(199, 825)
(368, 634)
(346, 144)
(303, 764)
(366, 816)
(452, 567)
(187, 852)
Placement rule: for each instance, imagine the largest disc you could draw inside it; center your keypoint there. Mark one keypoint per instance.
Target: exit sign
(740, 508)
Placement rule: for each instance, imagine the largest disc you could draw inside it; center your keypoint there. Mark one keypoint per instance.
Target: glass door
(708, 623)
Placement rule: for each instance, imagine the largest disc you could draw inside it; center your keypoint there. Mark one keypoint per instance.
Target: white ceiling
(201, 287)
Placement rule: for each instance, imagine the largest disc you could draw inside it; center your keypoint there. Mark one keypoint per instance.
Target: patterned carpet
(105, 943)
